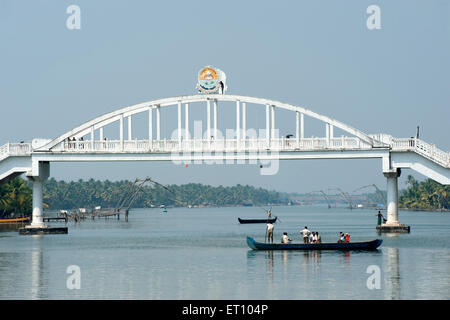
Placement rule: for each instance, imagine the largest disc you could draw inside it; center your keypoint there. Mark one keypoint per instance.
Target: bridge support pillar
(37, 216)
(392, 224)
(37, 225)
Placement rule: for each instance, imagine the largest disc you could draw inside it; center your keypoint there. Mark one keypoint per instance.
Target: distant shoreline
(274, 205)
(425, 210)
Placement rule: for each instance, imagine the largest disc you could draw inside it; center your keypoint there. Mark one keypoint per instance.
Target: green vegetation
(16, 195)
(425, 195)
(15, 198)
(92, 193)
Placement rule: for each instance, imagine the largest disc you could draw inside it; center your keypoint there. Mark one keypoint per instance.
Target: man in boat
(285, 238)
(311, 238)
(305, 233)
(269, 232)
(314, 237)
(347, 237)
(318, 238)
(341, 237)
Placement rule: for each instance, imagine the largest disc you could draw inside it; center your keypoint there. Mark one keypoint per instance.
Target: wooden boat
(367, 245)
(257, 220)
(15, 220)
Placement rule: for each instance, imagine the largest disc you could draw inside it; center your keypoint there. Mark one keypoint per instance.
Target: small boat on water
(257, 220)
(367, 245)
(15, 220)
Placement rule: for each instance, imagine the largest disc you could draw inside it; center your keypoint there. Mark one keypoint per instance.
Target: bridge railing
(431, 151)
(15, 149)
(216, 145)
(426, 149)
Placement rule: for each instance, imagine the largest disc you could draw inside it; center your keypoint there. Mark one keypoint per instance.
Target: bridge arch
(118, 115)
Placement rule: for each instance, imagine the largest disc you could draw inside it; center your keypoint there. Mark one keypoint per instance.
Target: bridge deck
(310, 145)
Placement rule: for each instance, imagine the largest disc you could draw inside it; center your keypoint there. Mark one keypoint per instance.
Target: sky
(316, 54)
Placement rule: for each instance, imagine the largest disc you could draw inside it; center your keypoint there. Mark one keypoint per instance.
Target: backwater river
(201, 253)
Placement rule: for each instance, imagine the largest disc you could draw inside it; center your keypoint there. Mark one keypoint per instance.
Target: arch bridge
(88, 143)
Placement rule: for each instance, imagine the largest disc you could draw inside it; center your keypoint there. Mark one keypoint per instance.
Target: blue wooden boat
(271, 220)
(367, 245)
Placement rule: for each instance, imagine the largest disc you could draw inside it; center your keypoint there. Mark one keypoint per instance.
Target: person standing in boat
(305, 233)
(269, 232)
(311, 237)
(285, 238)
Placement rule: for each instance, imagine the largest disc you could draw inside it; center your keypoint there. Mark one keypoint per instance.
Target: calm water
(202, 254)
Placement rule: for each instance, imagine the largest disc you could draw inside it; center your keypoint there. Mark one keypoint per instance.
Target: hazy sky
(315, 54)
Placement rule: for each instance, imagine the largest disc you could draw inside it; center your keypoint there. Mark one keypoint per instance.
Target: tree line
(15, 198)
(16, 195)
(425, 195)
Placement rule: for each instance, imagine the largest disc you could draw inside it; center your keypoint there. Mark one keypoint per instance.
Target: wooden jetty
(123, 205)
(57, 219)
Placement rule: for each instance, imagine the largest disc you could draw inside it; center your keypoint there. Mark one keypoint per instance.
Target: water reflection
(392, 278)
(390, 234)
(346, 259)
(285, 256)
(9, 227)
(308, 260)
(316, 256)
(37, 286)
(269, 259)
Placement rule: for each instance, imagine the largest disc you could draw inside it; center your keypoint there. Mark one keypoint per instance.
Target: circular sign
(209, 80)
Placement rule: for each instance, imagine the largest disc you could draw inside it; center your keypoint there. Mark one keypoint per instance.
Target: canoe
(14, 220)
(257, 220)
(367, 245)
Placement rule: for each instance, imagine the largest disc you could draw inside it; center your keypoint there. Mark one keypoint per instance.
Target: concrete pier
(392, 224)
(37, 226)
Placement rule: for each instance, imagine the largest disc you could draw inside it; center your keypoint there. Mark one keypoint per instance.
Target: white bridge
(87, 143)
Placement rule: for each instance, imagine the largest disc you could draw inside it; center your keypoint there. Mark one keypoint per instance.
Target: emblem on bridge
(211, 80)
